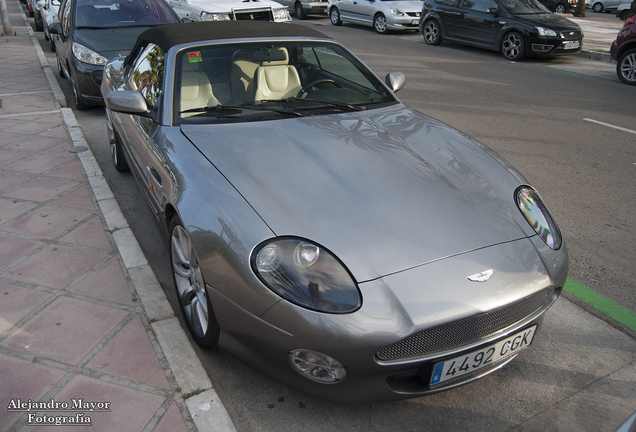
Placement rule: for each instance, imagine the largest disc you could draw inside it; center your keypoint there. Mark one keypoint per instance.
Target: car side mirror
(395, 80)
(55, 28)
(128, 102)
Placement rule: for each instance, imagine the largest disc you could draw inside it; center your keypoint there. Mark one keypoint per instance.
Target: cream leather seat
(242, 74)
(196, 91)
(275, 78)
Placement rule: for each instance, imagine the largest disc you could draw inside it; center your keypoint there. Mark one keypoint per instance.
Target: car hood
(405, 6)
(110, 42)
(384, 190)
(549, 20)
(229, 5)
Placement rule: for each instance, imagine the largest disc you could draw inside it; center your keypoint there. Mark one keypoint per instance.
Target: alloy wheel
(379, 23)
(334, 15)
(432, 35)
(512, 46)
(191, 289)
(626, 67)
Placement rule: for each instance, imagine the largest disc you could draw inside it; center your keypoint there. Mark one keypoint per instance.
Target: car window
(147, 74)
(524, 7)
(453, 3)
(479, 5)
(64, 15)
(115, 13)
(234, 82)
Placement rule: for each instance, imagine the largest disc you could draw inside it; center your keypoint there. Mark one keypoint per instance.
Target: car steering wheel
(304, 91)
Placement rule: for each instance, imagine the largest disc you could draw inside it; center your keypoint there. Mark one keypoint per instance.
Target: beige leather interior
(275, 78)
(196, 91)
(242, 74)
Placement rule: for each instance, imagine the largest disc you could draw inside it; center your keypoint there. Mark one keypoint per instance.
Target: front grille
(466, 331)
(261, 15)
(571, 35)
(414, 14)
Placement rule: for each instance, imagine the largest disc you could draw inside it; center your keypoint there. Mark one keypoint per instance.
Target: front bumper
(381, 344)
(550, 47)
(89, 79)
(411, 21)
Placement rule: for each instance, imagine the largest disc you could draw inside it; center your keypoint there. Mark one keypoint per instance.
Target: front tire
(77, 98)
(334, 16)
(626, 67)
(513, 47)
(191, 291)
(379, 24)
(300, 13)
(117, 152)
(432, 32)
(598, 7)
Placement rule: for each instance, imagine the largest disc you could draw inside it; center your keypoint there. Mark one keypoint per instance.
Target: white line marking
(610, 125)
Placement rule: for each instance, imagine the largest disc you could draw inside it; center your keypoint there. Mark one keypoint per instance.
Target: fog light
(317, 367)
(541, 48)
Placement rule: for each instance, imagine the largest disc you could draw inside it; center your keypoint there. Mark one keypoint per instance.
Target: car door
(449, 13)
(362, 10)
(479, 24)
(138, 131)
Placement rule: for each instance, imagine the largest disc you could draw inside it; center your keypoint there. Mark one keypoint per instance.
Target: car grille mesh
(571, 35)
(465, 331)
(253, 15)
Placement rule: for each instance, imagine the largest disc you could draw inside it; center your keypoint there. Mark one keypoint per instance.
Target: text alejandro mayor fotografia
(53, 413)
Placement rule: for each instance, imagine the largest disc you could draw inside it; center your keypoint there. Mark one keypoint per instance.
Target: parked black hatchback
(95, 31)
(517, 28)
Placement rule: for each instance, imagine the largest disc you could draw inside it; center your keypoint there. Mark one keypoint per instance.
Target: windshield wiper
(330, 103)
(246, 105)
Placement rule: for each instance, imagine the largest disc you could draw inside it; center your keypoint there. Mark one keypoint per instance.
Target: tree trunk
(632, 10)
(579, 11)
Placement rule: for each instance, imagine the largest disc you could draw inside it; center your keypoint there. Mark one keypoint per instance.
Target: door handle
(155, 175)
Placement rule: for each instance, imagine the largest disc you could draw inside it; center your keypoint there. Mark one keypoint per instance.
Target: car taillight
(630, 20)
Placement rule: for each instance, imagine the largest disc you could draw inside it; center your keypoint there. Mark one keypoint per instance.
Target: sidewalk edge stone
(175, 344)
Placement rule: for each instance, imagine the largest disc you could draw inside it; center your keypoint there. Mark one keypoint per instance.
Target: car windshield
(125, 13)
(521, 7)
(237, 82)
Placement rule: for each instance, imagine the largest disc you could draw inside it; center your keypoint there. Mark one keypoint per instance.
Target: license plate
(486, 356)
(571, 45)
(415, 22)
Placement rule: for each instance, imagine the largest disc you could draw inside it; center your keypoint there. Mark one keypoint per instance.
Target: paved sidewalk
(84, 326)
(597, 36)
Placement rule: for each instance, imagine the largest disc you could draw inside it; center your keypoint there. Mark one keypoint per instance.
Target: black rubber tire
(298, 9)
(432, 32)
(379, 24)
(560, 8)
(626, 67)
(79, 102)
(512, 46)
(117, 153)
(190, 296)
(334, 16)
(60, 70)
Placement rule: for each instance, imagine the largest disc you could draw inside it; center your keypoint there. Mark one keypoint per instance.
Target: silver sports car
(320, 230)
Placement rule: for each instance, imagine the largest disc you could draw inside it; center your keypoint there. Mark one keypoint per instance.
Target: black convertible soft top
(167, 36)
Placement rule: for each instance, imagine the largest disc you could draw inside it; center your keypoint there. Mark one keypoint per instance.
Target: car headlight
(538, 217)
(306, 274)
(545, 32)
(215, 16)
(317, 366)
(281, 14)
(86, 55)
(396, 12)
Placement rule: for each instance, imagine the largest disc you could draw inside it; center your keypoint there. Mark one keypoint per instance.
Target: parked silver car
(603, 5)
(382, 15)
(49, 16)
(320, 230)
(302, 8)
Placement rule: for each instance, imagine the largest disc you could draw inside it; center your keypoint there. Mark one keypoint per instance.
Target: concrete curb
(206, 409)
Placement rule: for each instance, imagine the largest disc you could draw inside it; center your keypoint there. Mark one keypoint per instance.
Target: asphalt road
(533, 114)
